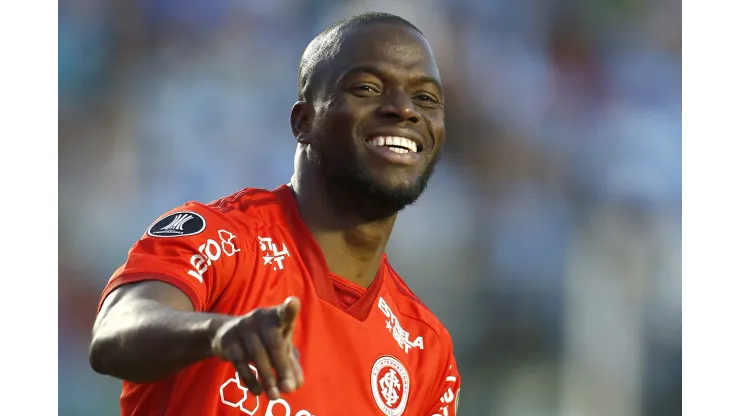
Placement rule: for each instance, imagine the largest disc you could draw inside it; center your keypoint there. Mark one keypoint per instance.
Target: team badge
(178, 224)
(390, 384)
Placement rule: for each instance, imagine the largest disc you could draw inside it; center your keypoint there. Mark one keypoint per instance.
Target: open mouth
(400, 145)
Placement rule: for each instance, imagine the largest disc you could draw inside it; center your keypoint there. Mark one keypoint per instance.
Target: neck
(352, 247)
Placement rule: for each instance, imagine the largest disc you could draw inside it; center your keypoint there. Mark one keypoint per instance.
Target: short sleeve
(447, 395)
(193, 247)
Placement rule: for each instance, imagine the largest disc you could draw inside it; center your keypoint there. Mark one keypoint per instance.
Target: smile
(395, 149)
(400, 145)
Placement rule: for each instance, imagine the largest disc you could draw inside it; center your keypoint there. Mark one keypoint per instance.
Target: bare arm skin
(149, 330)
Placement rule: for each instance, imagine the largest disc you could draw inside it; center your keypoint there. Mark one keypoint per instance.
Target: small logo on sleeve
(178, 224)
(457, 399)
(448, 397)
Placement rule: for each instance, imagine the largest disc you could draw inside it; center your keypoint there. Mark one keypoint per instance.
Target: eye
(366, 89)
(427, 98)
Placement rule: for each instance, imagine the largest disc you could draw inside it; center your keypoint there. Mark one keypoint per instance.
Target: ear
(300, 121)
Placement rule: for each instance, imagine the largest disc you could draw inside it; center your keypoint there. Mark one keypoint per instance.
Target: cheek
(340, 120)
(440, 135)
(437, 128)
(334, 136)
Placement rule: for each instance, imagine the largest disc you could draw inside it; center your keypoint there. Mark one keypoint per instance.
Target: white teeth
(401, 144)
(398, 150)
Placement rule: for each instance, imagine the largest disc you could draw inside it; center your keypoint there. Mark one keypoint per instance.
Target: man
(203, 318)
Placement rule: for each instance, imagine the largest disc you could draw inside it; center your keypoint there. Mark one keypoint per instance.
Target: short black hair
(324, 45)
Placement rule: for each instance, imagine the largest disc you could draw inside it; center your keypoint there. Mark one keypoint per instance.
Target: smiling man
(283, 302)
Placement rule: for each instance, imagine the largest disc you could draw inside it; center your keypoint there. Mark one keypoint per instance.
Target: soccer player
(282, 302)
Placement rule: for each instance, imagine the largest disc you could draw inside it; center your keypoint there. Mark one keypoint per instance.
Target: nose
(398, 105)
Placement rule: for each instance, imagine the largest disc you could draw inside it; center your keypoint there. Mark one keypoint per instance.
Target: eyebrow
(376, 71)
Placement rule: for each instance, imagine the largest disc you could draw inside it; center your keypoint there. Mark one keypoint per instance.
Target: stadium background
(548, 243)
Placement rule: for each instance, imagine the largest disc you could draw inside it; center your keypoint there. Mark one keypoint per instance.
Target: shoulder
(244, 209)
(254, 207)
(245, 201)
(410, 306)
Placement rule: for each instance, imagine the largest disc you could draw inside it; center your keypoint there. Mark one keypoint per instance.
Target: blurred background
(552, 230)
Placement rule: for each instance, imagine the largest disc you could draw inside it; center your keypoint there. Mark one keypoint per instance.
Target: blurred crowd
(551, 232)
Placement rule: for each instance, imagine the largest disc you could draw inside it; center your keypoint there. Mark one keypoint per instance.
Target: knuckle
(258, 314)
(265, 316)
(234, 353)
(245, 323)
(252, 343)
(228, 338)
(272, 339)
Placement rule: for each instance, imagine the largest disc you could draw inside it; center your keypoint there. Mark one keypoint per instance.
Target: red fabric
(364, 352)
(347, 293)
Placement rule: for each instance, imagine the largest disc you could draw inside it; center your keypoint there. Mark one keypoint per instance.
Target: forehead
(385, 46)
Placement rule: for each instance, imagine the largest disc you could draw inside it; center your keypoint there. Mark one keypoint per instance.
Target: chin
(394, 183)
(375, 192)
(397, 193)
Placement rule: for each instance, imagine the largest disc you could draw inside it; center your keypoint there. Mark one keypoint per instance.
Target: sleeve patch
(178, 224)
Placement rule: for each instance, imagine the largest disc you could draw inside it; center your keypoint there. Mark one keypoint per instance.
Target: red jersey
(374, 351)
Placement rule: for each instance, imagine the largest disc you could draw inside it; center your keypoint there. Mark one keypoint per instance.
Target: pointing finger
(287, 313)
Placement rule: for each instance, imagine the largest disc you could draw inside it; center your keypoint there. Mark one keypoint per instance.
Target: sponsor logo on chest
(237, 396)
(394, 327)
(273, 255)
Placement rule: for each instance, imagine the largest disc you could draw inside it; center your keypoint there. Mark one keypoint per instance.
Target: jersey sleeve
(193, 247)
(445, 397)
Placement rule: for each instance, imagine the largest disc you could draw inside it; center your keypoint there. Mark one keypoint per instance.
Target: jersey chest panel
(349, 365)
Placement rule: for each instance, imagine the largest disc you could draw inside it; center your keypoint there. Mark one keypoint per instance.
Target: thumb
(288, 312)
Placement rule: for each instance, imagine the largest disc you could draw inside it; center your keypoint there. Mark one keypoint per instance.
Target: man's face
(378, 127)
